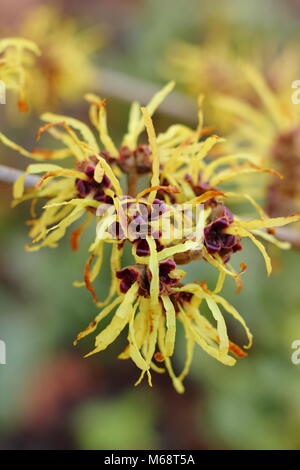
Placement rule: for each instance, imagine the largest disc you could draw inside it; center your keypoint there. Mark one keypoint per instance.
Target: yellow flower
(152, 303)
(65, 70)
(74, 193)
(149, 296)
(207, 69)
(17, 58)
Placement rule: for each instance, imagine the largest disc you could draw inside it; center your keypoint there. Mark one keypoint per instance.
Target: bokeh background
(52, 398)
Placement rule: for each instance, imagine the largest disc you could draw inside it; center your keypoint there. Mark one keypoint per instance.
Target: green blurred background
(52, 398)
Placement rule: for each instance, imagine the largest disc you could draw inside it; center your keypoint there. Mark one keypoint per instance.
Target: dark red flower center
(215, 240)
(91, 187)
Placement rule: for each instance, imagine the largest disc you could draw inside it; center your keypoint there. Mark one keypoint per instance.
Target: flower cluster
(148, 297)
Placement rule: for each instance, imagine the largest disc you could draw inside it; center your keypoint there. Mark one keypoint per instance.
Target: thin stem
(126, 88)
(290, 235)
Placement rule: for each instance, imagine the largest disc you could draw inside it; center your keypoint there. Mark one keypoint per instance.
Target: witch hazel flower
(67, 47)
(17, 58)
(162, 226)
(269, 127)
